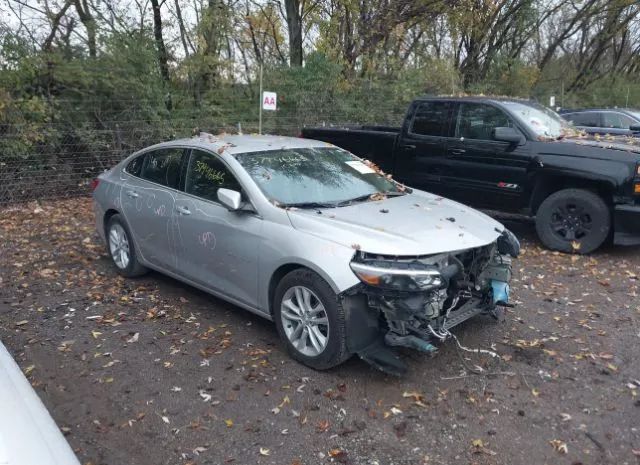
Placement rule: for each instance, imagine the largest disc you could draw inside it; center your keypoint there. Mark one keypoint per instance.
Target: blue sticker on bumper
(500, 291)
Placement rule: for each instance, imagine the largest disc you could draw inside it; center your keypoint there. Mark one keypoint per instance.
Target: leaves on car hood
(414, 224)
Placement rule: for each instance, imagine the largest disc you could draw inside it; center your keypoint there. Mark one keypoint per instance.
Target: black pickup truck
(513, 156)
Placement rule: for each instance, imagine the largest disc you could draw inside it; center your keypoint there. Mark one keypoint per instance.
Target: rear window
(431, 119)
(135, 166)
(163, 167)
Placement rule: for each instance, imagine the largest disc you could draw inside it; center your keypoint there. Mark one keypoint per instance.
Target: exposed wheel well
(276, 277)
(546, 186)
(108, 214)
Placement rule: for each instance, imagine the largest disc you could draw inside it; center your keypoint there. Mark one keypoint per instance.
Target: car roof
(235, 144)
(586, 110)
(477, 98)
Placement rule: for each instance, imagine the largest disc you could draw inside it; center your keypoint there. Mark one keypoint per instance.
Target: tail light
(94, 184)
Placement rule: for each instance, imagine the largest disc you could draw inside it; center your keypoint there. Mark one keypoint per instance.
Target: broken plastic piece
(379, 356)
(500, 291)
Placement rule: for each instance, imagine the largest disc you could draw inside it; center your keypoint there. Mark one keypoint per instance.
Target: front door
(217, 248)
(147, 199)
(422, 147)
(482, 171)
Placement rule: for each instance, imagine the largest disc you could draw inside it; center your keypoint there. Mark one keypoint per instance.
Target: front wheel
(573, 220)
(310, 320)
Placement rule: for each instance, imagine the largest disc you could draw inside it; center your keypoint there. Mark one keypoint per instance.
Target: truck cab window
(477, 121)
(431, 119)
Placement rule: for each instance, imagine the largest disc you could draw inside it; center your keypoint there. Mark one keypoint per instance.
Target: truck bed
(373, 143)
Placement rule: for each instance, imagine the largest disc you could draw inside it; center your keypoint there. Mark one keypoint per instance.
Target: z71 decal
(507, 185)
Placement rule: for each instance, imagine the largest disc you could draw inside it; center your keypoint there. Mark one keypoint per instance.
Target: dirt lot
(151, 371)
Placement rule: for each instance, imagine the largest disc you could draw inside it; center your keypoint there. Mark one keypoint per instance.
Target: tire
(335, 350)
(132, 267)
(573, 220)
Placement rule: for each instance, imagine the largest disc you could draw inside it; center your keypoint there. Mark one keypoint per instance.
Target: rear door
(147, 198)
(421, 149)
(482, 171)
(217, 248)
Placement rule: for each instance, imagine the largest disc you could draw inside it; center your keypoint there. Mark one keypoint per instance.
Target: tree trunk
(294, 26)
(161, 48)
(89, 23)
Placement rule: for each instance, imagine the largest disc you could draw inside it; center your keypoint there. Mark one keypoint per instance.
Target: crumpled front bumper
(626, 224)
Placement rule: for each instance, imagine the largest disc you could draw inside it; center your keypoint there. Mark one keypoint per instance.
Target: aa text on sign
(269, 100)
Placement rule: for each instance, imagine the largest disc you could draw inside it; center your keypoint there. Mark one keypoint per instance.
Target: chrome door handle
(409, 147)
(457, 151)
(132, 194)
(183, 210)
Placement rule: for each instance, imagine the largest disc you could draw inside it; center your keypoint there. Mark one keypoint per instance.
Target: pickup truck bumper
(626, 221)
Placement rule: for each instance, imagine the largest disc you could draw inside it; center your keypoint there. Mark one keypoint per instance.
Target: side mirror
(507, 135)
(634, 128)
(230, 199)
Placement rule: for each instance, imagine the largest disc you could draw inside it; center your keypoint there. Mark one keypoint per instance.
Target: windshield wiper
(364, 198)
(310, 205)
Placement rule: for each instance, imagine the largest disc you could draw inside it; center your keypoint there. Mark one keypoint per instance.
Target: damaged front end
(414, 301)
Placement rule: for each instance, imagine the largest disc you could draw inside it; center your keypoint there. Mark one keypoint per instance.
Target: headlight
(398, 279)
(508, 244)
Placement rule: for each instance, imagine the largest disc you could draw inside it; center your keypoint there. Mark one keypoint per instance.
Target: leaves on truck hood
(414, 224)
(620, 143)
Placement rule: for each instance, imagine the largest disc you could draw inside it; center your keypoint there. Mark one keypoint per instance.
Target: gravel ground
(151, 371)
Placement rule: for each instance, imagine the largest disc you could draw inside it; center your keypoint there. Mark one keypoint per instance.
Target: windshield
(545, 123)
(636, 114)
(318, 175)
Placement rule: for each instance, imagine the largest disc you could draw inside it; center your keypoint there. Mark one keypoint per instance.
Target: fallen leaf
(559, 446)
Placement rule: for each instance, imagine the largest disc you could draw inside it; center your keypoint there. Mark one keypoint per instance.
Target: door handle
(456, 152)
(132, 194)
(409, 147)
(183, 210)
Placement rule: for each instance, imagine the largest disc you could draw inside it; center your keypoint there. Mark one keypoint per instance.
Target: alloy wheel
(119, 246)
(571, 222)
(305, 321)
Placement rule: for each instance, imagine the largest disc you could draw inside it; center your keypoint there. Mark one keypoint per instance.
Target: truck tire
(304, 303)
(573, 221)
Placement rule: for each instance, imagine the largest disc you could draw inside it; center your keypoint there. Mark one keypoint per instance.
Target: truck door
(421, 148)
(482, 171)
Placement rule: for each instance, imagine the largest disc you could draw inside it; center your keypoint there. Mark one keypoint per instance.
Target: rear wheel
(310, 320)
(121, 248)
(573, 220)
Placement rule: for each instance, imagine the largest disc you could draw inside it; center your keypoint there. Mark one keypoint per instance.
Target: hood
(414, 224)
(613, 147)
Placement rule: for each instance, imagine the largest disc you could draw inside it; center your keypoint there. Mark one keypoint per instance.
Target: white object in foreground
(28, 434)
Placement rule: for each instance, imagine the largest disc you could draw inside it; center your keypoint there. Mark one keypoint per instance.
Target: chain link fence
(57, 155)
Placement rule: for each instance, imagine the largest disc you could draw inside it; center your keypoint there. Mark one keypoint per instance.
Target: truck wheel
(310, 320)
(573, 220)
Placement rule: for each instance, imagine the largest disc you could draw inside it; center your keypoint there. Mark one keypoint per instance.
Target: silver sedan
(343, 259)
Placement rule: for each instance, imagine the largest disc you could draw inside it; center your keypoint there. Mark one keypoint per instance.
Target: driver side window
(206, 174)
(477, 121)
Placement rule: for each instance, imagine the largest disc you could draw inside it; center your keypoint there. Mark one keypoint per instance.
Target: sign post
(260, 104)
(268, 101)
